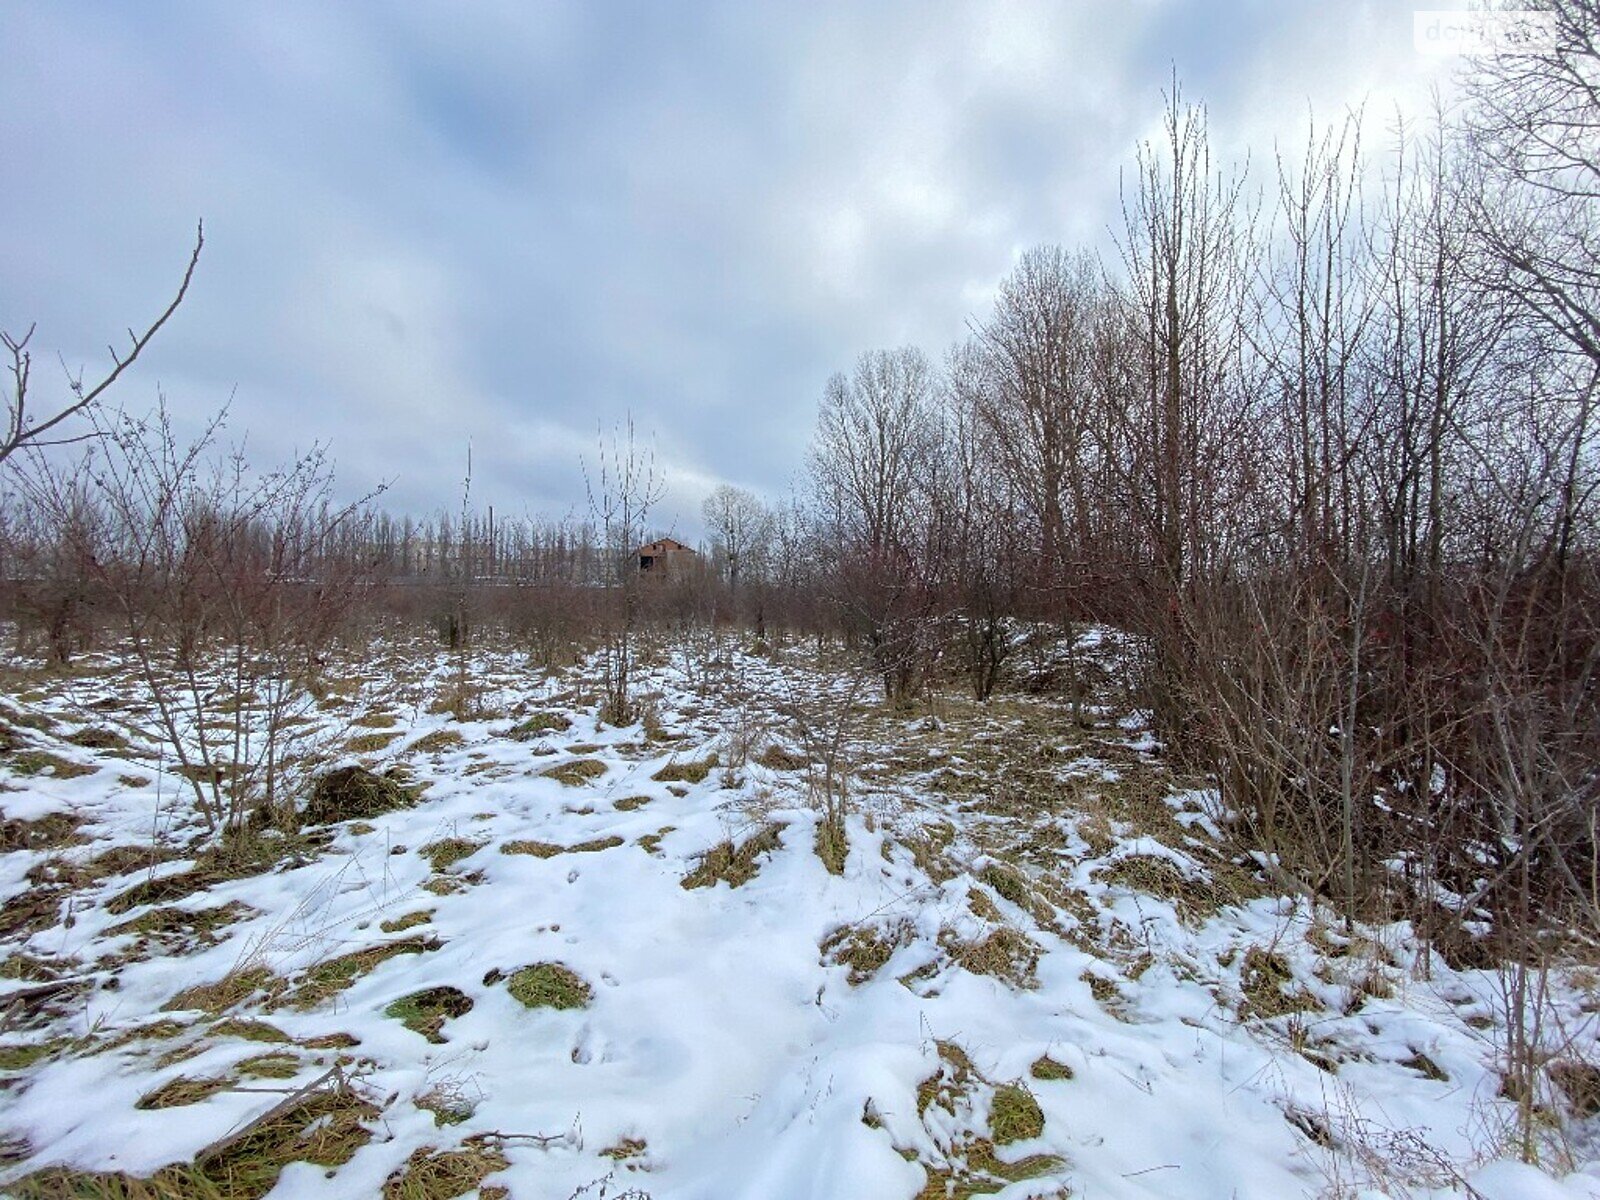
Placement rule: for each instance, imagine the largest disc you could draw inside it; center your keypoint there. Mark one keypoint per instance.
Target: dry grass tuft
(550, 849)
(651, 842)
(1194, 898)
(332, 976)
(687, 770)
(437, 742)
(232, 989)
(279, 1064)
(182, 930)
(1579, 1084)
(48, 832)
(539, 723)
(833, 846)
(625, 1149)
(630, 803)
(777, 758)
(326, 1129)
(451, 885)
(734, 864)
(355, 792)
(982, 1173)
(865, 949)
(182, 1091)
(449, 1102)
(371, 743)
(575, 772)
(432, 1174)
(948, 1086)
(1008, 883)
(98, 738)
(1006, 954)
(1265, 986)
(410, 921)
(30, 763)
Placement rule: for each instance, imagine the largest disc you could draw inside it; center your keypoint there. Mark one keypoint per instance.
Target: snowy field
(594, 961)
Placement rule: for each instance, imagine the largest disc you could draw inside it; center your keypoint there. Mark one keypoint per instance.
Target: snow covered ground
(1037, 975)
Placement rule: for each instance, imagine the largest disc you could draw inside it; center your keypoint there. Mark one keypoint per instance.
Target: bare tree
(875, 462)
(741, 530)
(623, 489)
(229, 586)
(24, 427)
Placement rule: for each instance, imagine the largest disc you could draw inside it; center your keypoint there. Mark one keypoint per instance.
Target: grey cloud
(514, 223)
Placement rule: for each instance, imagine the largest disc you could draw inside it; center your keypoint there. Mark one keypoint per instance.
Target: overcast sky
(517, 223)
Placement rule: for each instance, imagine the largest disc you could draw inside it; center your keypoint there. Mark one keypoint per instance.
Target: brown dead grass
(433, 1174)
(575, 772)
(326, 1129)
(734, 864)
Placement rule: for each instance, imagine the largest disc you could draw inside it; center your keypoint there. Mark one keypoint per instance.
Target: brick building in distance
(664, 554)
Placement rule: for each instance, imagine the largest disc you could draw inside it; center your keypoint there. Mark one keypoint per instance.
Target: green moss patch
(446, 852)
(19, 1056)
(410, 921)
(1046, 1068)
(1014, 1115)
(249, 1030)
(549, 985)
(425, 1012)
